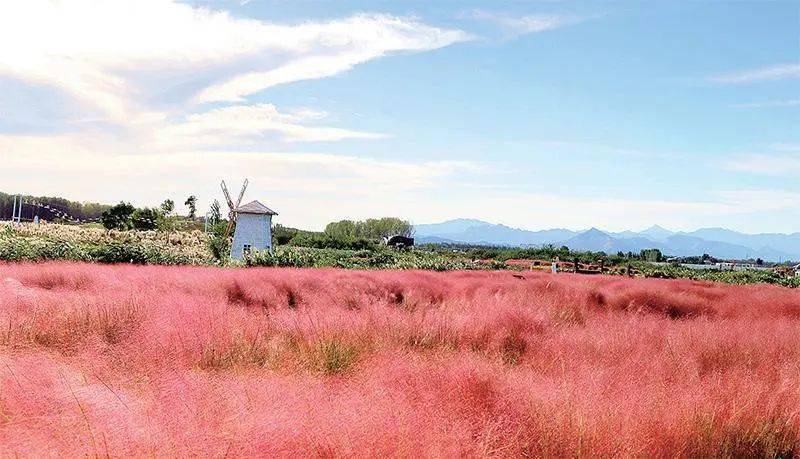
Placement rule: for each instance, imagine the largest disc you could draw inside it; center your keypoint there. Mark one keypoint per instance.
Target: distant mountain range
(717, 242)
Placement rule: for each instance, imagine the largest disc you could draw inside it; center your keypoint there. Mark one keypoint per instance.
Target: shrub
(325, 241)
(118, 217)
(146, 219)
(60, 242)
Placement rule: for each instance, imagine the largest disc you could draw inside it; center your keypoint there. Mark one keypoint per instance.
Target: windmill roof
(255, 207)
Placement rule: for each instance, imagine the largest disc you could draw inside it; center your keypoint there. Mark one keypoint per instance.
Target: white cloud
(81, 156)
(747, 201)
(342, 46)
(779, 159)
(249, 123)
(786, 164)
(102, 52)
(121, 59)
(776, 72)
(309, 189)
(527, 24)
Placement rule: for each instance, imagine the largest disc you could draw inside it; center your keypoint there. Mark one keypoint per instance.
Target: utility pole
(16, 212)
(19, 211)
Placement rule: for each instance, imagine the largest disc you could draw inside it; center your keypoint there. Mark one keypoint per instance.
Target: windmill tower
(253, 225)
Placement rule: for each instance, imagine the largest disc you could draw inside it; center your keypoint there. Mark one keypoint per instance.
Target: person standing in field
(554, 266)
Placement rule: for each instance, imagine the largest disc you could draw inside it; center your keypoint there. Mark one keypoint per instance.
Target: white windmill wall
(252, 229)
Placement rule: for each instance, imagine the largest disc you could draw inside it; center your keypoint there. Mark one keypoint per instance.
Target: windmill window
(246, 249)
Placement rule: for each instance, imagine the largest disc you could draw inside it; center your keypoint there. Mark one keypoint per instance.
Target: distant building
(253, 229)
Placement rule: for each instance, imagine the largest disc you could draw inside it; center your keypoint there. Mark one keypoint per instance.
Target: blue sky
(616, 115)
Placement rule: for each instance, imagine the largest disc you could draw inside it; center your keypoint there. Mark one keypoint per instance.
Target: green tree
(651, 255)
(219, 245)
(344, 229)
(118, 216)
(168, 206)
(376, 228)
(216, 215)
(191, 203)
(81, 211)
(281, 235)
(146, 219)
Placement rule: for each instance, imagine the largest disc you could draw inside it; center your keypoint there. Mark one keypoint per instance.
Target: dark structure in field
(399, 242)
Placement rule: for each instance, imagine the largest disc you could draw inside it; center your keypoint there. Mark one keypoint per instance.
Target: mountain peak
(594, 230)
(657, 232)
(467, 220)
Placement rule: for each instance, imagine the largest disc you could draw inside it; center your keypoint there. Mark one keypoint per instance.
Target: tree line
(344, 234)
(124, 216)
(371, 228)
(78, 210)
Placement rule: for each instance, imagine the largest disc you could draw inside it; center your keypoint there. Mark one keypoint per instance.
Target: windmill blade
(241, 195)
(227, 196)
(229, 228)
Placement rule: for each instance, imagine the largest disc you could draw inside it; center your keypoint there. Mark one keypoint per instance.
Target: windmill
(231, 206)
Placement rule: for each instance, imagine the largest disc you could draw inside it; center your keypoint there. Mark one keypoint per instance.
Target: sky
(617, 115)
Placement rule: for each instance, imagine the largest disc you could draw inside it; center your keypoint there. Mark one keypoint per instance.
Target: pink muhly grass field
(165, 361)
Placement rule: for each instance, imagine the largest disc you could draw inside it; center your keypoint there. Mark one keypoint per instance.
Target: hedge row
(30, 249)
(364, 259)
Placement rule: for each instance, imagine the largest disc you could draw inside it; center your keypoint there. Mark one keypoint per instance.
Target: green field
(29, 242)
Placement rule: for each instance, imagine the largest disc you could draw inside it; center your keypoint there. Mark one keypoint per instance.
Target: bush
(135, 253)
(61, 242)
(299, 257)
(281, 235)
(325, 241)
(118, 217)
(219, 244)
(750, 276)
(146, 219)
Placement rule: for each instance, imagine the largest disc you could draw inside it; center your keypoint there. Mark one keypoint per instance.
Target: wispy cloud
(747, 201)
(340, 46)
(136, 72)
(775, 72)
(63, 157)
(777, 164)
(308, 188)
(103, 52)
(589, 148)
(527, 24)
(770, 104)
(776, 159)
(250, 123)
